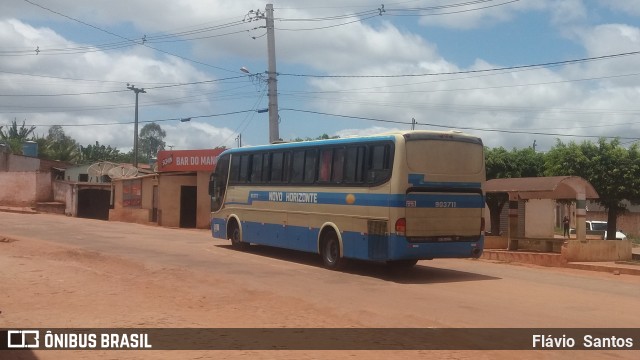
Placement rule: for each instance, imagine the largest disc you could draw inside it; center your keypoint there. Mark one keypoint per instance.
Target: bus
(395, 198)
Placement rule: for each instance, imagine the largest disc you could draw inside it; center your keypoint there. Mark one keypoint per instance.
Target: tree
(321, 137)
(612, 170)
(151, 140)
(59, 146)
(97, 152)
(500, 164)
(14, 137)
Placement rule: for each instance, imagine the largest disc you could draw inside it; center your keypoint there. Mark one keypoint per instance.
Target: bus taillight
(401, 226)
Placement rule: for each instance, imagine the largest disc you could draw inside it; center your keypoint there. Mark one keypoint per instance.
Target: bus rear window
(444, 157)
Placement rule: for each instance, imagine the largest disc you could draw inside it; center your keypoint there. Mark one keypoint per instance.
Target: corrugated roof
(549, 187)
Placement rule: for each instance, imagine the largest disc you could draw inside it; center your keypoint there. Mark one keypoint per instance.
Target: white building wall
(539, 222)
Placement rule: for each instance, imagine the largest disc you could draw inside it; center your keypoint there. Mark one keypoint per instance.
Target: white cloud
(623, 6)
(567, 11)
(478, 15)
(104, 75)
(366, 131)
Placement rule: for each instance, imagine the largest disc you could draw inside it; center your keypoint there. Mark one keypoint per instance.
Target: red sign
(188, 160)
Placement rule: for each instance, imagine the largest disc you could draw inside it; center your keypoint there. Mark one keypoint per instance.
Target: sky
(517, 74)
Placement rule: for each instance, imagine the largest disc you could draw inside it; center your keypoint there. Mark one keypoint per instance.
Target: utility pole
(135, 126)
(413, 123)
(239, 140)
(274, 132)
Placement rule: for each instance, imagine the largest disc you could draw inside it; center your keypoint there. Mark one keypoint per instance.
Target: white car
(602, 226)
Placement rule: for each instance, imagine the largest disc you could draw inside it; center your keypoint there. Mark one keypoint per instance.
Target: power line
(457, 89)
(64, 94)
(518, 67)
(144, 121)
(125, 38)
(117, 91)
(409, 123)
(382, 11)
(432, 8)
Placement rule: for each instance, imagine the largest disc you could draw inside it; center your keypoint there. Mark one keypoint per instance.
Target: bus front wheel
(233, 233)
(331, 252)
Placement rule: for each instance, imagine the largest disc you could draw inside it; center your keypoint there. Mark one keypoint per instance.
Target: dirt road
(66, 272)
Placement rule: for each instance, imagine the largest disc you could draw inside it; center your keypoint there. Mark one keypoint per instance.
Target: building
(26, 181)
(175, 196)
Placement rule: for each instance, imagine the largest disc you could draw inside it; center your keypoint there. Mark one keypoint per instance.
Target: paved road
(438, 293)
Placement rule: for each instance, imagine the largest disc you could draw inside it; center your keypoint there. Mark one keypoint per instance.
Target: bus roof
(388, 136)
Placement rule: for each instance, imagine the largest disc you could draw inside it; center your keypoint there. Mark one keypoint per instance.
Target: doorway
(188, 206)
(94, 204)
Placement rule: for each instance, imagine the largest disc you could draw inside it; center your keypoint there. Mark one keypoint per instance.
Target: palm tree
(14, 137)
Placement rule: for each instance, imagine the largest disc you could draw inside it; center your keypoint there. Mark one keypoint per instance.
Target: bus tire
(330, 251)
(402, 264)
(234, 234)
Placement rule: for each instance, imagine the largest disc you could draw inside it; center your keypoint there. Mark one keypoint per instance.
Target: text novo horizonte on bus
(297, 197)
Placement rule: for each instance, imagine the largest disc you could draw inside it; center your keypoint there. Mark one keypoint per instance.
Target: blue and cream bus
(395, 198)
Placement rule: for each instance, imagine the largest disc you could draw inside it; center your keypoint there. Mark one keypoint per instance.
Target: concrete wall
(61, 190)
(64, 192)
(18, 163)
(141, 215)
(548, 245)
(204, 201)
(540, 218)
(73, 173)
(169, 187)
(169, 198)
(496, 242)
(4, 159)
(597, 250)
(21, 188)
(44, 188)
(18, 188)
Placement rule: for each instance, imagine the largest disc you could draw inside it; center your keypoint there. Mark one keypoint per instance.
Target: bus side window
(324, 173)
(286, 167)
(338, 166)
(244, 169)
(354, 164)
(276, 167)
(379, 163)
(297, 166)
(266, 167)
(235, 169)
(256, 168)
(218, 185)
(310, 160)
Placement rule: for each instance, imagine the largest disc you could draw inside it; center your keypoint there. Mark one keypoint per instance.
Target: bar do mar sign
(187, 160)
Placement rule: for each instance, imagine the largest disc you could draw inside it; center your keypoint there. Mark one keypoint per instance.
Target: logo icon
(21, 339)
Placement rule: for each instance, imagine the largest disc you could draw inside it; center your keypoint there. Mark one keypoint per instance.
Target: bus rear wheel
(233, 233)
(330, 252)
